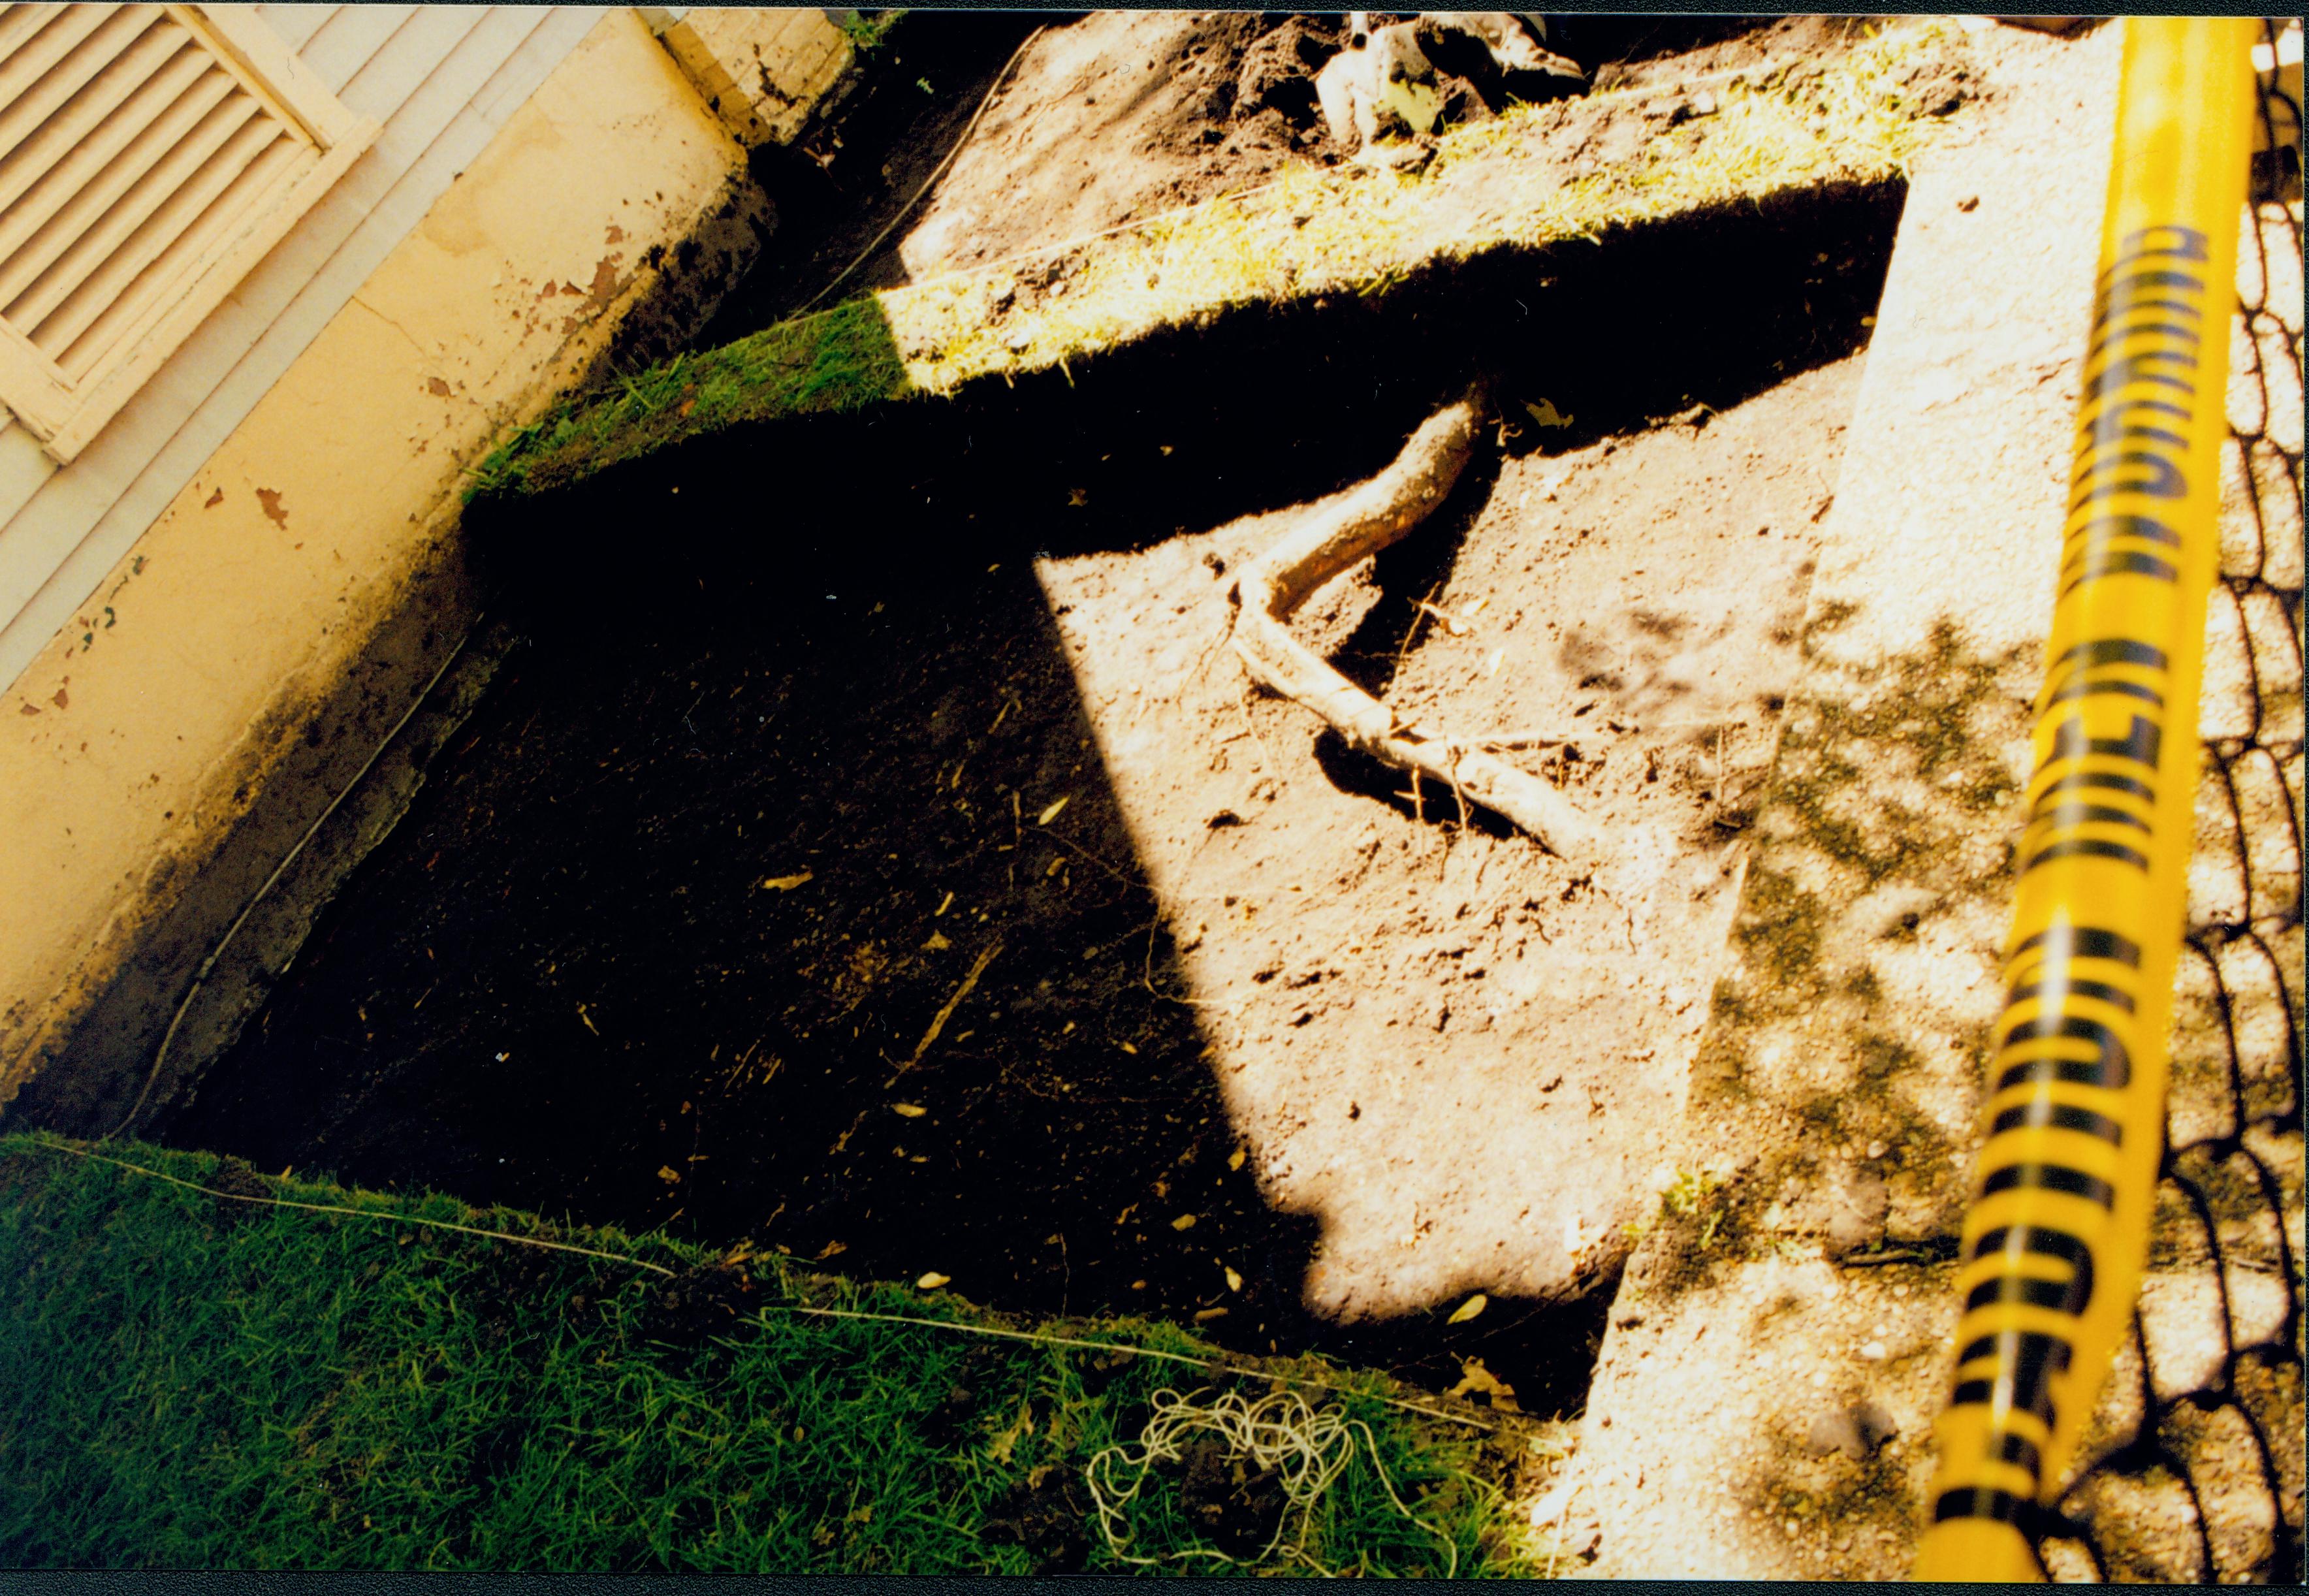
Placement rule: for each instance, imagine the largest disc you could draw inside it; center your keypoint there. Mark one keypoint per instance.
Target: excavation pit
(875, 850)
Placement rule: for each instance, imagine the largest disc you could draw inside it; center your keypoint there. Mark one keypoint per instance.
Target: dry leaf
(1183, 1222)
(1546, 413)
(1051, 813)
(1475, 1377)
(942, 907)
(1234, 1280)
(832, 1249)
(1005, 1444)
(786, 883)
(668, 1173)
(933, 1280)
(1235, 1159)
(910, 1110)
(938, 943)
(1204, 1316)
(1127, 1047)
(1469, 1309)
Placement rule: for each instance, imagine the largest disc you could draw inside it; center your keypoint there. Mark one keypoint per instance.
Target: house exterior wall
(230, 651)
(763, 69)
(441, 80)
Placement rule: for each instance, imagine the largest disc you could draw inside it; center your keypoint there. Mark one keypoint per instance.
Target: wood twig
(938, 1022)
(1377, 514)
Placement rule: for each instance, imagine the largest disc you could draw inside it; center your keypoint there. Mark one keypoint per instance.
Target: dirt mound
(235, 1179)
(1093, 122)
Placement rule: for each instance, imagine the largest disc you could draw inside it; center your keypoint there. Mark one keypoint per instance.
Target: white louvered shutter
(150, 156)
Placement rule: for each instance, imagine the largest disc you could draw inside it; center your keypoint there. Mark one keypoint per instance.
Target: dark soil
(235, 1179)
(1230, 1504)
(699, 1303)
(854, 168)
(1049, 1517)
(663, 940)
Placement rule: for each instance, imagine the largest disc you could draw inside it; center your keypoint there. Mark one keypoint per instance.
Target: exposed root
(1376, 515)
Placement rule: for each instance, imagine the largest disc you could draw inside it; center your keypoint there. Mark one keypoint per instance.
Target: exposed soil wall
(588, 973)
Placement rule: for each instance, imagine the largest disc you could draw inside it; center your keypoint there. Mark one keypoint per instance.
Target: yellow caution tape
(2075, 1114)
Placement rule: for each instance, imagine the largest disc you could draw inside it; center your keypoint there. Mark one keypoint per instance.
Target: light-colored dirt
(1101, 121)
(1462, 1054)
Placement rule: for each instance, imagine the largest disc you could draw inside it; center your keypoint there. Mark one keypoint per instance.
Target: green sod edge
(1857, 116)
(187, 1381)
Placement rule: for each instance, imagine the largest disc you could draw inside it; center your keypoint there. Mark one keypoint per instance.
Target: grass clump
(191, 1381)
(840, 358)
(1855, 118)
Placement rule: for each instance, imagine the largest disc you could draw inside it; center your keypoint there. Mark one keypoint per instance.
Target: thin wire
(1211, 1366)
(1042, 1338)
(217, 952)
(937, 172)
(358, 1213)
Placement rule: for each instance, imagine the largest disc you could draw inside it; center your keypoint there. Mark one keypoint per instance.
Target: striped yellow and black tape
(2053, 1245)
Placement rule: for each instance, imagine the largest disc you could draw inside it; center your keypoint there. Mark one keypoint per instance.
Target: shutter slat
(120, 32)
(20, 24)
(29, 250)
(27, 307)
(57, 327)
(113, 314)
(45, 48)
(149, 157)
(117, 106)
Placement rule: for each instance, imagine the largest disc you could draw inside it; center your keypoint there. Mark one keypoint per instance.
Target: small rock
(1856, 1431)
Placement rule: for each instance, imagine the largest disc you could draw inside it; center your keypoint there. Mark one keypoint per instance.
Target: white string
(1042, 1338)
(1309, 1450)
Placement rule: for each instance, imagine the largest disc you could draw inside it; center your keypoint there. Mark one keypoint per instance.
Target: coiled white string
(1308, 1449)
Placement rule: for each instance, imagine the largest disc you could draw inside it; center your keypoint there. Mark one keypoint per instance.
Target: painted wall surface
(762, 68)
(441, 80)
(211, 648)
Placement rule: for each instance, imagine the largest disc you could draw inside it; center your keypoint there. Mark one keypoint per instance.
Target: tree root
(1379, 512)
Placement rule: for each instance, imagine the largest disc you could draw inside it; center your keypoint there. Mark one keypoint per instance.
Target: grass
(1312, 231)
(190, 1381)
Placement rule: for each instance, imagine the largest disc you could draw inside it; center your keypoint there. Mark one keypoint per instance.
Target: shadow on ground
(733, 909)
